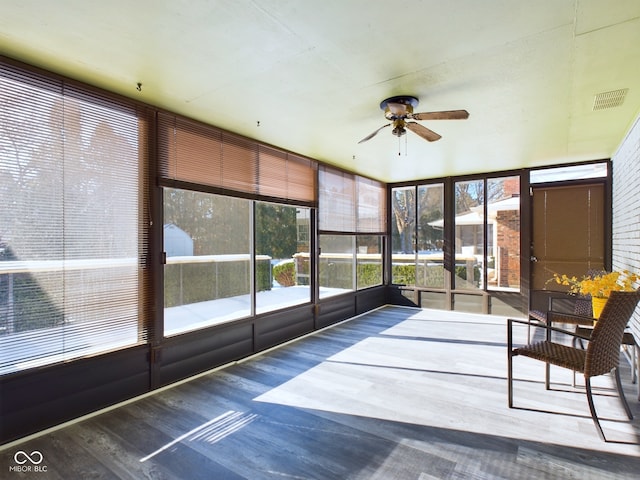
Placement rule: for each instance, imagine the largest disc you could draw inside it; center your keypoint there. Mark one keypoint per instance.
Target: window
(469, 234)
(403, 224)
(352, 220)
(210, 264)
(487, 229)
(430, 237)
(282, 256)
(571, 172)
(72, 163)
(208, 271)
(336, 266)
(417, 235)
(368, 261)
(503, 233)
(249, 256)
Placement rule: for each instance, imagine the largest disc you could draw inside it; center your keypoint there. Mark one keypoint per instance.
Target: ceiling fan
(400, 109)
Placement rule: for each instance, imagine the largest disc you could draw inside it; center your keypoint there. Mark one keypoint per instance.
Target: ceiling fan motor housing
(400, 107)
(401, 99)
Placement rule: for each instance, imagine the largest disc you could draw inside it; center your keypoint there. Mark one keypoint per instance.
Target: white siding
(626, 208)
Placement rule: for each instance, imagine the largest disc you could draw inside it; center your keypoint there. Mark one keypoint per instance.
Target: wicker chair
(581, 315)
(582, 309)
(601, 356)
(582, 318)
(630, 348)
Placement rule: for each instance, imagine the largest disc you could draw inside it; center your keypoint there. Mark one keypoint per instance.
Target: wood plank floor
(397, 393)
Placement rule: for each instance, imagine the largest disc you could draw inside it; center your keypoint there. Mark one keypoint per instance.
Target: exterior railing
(191, 279)
(12, 269)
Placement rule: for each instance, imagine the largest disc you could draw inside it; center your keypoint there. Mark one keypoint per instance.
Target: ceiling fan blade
(444, 115)
(423, 131)
(371, 135)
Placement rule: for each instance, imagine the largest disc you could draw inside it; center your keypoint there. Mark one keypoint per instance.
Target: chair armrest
(556, 296)
(572, 318)
(547, 327)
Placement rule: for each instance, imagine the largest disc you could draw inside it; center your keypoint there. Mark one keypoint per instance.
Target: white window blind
(337, 200)
(372, 200)
(72, 238)
(350, 203)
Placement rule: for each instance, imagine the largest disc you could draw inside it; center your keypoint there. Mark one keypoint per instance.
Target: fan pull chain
(400, 146)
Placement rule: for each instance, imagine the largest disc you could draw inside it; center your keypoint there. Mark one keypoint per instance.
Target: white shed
(177, 242)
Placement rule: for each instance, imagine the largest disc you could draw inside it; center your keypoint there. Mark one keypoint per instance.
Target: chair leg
(629, 352)
(547, 368)
(637, 356)
(592, 409)
(510, 379)
(634, 363)
(547, 376)
(621, 394)
(510, 363)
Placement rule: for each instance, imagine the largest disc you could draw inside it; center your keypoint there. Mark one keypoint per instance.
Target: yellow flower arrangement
(599, 286)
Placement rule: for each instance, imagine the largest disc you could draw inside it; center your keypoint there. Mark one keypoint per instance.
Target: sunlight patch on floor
(429, 373)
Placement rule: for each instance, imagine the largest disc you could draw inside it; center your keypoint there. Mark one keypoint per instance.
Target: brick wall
(626, 208)
(508, 224)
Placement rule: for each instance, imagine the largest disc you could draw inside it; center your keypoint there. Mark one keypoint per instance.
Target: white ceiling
(313, 73)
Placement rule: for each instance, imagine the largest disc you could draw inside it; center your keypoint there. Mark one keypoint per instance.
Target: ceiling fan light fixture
(399, 131)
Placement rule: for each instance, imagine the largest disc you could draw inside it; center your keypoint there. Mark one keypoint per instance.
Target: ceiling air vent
(610, 99)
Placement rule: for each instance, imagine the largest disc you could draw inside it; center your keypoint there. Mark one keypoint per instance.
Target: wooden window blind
(239, 164)
(301, 178)
(73, 240)
(285, 175)
(568, 231)
(201, 154)
(198, 148)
